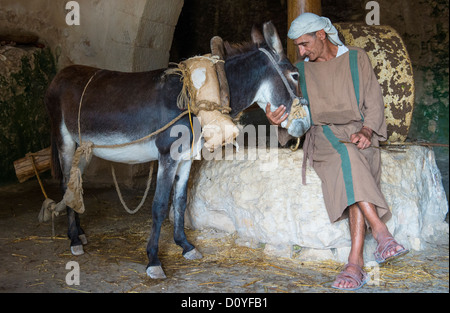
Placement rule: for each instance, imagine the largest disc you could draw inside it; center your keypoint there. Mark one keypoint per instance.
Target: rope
(47, 202)
(128, 143)
(278, 69)
(296, 146)
(81, 102)
(50, 207)
(31, 156)
(297, 110)
(162, 129)
(149, 180)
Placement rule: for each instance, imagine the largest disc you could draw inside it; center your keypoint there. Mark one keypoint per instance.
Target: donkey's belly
(133, 154)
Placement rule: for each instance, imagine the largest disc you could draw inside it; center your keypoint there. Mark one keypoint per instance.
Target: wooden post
(295, 8)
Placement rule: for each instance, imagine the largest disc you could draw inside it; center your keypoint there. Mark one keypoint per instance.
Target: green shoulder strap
(355, 76)
(301, 70)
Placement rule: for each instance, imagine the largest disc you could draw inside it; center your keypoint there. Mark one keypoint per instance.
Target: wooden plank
(24, 166)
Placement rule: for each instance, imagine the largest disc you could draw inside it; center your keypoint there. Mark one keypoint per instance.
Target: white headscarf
(309, 23)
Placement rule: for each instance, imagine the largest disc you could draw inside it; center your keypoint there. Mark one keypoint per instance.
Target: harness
(278, 69)
(299, 110)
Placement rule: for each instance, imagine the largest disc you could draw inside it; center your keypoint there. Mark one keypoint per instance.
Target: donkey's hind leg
(179, 208)
(75, 232)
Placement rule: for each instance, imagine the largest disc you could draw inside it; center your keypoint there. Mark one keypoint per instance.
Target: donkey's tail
(56, 164)
(54, 111)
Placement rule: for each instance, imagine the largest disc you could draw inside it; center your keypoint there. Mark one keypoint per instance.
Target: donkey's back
(131, 103)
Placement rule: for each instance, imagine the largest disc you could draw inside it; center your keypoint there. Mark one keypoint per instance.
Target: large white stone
(263, 201)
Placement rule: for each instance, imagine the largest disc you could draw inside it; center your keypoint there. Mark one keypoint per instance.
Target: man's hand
(363, 138)
(276, 117)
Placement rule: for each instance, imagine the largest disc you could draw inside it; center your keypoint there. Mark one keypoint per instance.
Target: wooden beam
(295, 8)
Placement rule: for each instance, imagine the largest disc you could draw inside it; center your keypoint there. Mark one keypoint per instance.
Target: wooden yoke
(217, 49)
(206, 89)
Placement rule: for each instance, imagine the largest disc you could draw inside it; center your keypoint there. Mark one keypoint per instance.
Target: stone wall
(263, 201)
(24, 125)
(114, 34)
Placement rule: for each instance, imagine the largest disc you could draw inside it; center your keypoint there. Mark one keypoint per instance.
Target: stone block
(264, 201)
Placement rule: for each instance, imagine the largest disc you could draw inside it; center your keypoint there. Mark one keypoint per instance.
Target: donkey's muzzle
(299, 121)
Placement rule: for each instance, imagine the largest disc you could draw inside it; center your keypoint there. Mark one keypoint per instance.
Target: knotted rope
(186, 100)
(73, 197)
(149, 181)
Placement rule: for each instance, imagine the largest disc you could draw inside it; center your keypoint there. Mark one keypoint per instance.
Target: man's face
(309, 46)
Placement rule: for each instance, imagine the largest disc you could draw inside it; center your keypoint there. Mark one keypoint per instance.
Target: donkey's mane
(236, 49)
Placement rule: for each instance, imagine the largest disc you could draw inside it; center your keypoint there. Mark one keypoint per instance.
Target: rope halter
(283, 78)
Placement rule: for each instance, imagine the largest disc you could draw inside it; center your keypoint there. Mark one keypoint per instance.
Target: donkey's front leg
(179, 208)
(166, 173)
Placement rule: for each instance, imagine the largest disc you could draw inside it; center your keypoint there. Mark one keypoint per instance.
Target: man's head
(312, 33)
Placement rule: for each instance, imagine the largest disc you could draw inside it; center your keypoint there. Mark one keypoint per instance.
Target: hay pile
(228, 266)
(221, 252)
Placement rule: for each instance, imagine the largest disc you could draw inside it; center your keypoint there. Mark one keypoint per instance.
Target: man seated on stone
(342, 111)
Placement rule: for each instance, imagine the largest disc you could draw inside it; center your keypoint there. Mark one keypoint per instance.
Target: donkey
(123, 107)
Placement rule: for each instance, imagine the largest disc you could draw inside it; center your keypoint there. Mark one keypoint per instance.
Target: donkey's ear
(273, 39)
(257, 37)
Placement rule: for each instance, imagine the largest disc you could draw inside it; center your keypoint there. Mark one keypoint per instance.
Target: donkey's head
(262, 70)
(280, 86)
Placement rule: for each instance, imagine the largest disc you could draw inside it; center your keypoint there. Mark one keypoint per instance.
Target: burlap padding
(201, 89)
(204, 80)
(218, 129)
(201, 94)
(73, 196)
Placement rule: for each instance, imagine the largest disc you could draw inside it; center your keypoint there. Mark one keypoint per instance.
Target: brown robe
(348, 175)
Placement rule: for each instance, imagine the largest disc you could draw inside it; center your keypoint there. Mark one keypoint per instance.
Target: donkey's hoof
(156, 272)
(194, 254)
(77, 250)
(83, 239)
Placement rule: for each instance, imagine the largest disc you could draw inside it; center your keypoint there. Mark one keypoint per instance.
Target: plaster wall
(115, 34)
(119, 35)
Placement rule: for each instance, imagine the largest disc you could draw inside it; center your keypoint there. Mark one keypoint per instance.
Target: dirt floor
(115, 257)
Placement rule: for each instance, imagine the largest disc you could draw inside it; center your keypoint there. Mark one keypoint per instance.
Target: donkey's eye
(295, 76)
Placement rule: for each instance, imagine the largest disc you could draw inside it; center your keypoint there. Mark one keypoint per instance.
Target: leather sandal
(359, 280)
(385, 245)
